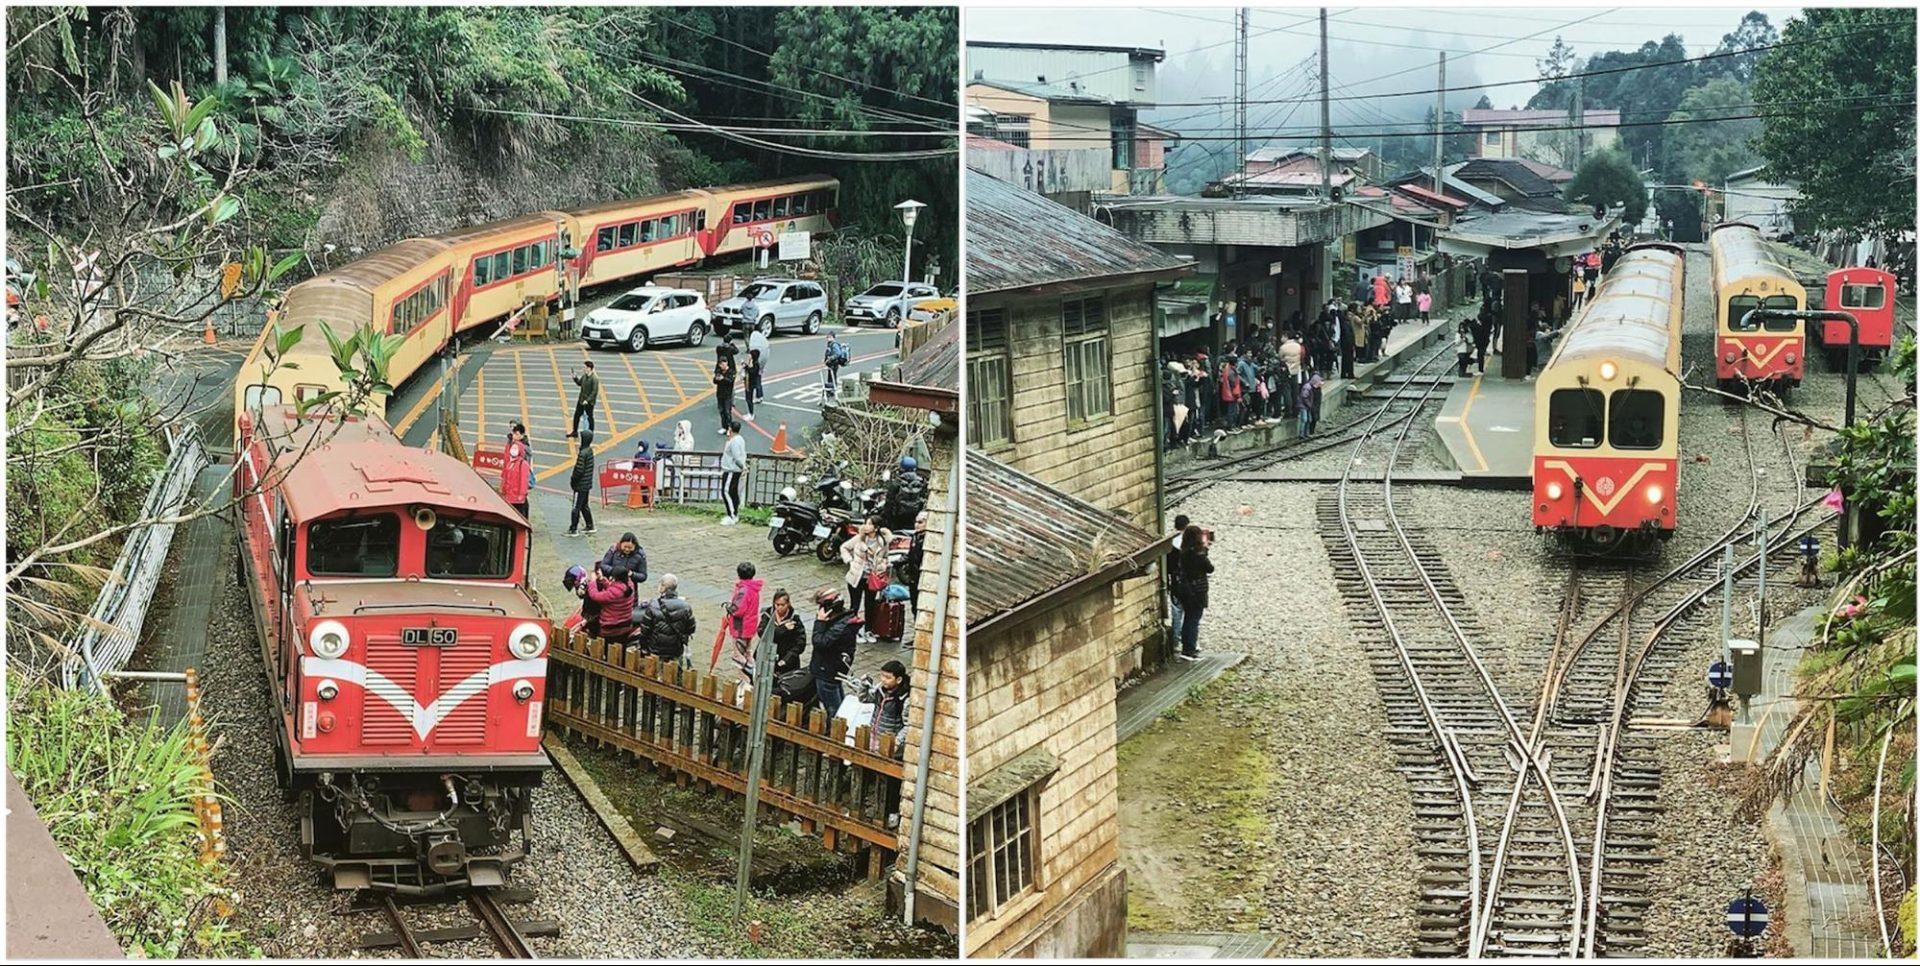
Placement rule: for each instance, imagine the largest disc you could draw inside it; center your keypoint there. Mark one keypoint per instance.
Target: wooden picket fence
(692, 726)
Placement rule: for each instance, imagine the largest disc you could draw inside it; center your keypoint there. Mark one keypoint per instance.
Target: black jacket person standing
(582, 484)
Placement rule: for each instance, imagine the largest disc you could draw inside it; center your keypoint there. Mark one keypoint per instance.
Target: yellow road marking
(480, 380)
(520, 378)
(626, 434)
(672, 378)
(562, 384)
(645, 400)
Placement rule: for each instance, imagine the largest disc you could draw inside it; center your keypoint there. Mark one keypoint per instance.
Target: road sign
(762, 236)
(1747, 917)
(1720, 675)
(796, 246)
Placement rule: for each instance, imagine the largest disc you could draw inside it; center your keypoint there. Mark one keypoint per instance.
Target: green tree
(1607, 178)
(1711, 151)
(1554, 93)
(1840, 118)
(1754, 32)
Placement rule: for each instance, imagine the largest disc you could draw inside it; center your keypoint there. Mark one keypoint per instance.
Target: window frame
(1009, 831)
(1600, 435)
(1615, 397)
(989, 339)
(506, 555)
(1088, 381)
(1846, 288)
(307, 560)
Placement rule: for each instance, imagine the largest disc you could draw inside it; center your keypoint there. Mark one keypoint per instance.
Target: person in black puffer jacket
(1194, 572)
(789, 633)
(665, 624)
(582, 482)
(835, 629)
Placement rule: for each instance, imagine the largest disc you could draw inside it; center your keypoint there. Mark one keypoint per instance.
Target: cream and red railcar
(1747, 276)
(1607, 408)
(403, 647)
(433, 289)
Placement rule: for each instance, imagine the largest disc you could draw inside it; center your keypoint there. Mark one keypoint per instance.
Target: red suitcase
(887, 619)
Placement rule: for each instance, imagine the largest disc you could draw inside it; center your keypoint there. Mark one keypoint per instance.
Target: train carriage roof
(760, 186)
(1740, 253)
(1631, 318)
(389, 263)
(628, 204)
(524, 222)
(327, 300)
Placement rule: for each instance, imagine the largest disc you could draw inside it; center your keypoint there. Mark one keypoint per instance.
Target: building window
(1084, 340)
(1000, 856)
(1123, 131)
(989, 379)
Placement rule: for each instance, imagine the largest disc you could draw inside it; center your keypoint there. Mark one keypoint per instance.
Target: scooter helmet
(575, 574)
(908, 464)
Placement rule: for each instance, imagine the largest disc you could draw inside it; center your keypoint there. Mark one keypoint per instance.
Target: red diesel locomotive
(406, 653)
(1606, 449)
(1868, 294)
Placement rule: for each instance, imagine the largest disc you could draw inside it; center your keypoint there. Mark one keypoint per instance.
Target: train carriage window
(783, 206)
(604, 239)
(669, 226)
(1855, 296)
(1785, 303)
(1574, 418)
(629, 233)
(1636, 419)
(520, 258)
(649, 230)
(1737, 308)
(538, 258)
(469, 548)
(803, 204)
(502, 266)
(700, 220)
(363, 546)
(742, 212)
(482, 271)
(763, 209)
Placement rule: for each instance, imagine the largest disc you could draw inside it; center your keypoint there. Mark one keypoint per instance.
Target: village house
(926, 383)
(1061, 371)
(1045, 573)
(1296, 171)
(1068, 98)
(1538, 135)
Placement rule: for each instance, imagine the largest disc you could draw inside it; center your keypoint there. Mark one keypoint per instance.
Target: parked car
(887, 302)
(646, 315)
(772, 304)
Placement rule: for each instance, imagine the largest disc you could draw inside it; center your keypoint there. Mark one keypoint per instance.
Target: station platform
(1485, 429)
(49, 914)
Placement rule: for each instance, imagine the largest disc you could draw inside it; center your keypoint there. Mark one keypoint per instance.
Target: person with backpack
(582, 484)
(724, 374)
(836, 356)
(1195, 569)
(666, 623)
(906, 496)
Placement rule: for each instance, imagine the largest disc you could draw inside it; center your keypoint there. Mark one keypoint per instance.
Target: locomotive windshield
(1636, 419)
(470, 548)
(1863, 297)
(1574, 418)
(1739, 305)
(365, 546)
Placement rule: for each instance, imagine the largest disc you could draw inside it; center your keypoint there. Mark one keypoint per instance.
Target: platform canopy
(1551, 235)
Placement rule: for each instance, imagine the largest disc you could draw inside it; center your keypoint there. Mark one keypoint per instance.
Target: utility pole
(219, 45)
(1240, 96)
(1326, 118)
(1575, 118)
(1440, 125)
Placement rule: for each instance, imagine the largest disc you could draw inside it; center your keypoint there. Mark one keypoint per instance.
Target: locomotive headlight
(1791, 358)
(1654, 493)
(1608, 370)
(527, 642)
(327, 690)
(522, 690)
(329, 640)
(1554, 490)
(1730, 357)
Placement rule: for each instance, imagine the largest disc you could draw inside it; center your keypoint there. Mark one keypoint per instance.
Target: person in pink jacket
(1426, 306)
(743, 618)
(516, 478)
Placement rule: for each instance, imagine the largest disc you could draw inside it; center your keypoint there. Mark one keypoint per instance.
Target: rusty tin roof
(1017, 239)
(1026, 541)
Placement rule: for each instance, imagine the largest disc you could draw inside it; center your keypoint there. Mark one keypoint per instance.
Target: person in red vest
(1381, 289)
(1230, 393)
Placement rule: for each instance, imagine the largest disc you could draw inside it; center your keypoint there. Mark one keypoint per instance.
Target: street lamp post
(909, 213)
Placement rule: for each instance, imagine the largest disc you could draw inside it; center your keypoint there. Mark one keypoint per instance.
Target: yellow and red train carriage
(1748, 276)
(1607, 407)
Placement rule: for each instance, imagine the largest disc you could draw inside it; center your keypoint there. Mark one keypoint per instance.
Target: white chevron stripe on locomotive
(424, 719)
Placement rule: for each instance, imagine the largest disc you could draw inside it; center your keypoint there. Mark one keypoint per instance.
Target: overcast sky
(1366, 42)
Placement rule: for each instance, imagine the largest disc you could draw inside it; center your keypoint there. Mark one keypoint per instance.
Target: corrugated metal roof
(935, 363)
(1026, 539)
(1520, 176)
(1017, 239)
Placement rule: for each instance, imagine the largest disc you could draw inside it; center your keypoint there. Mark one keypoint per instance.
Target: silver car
(887, 302)
(773, 304)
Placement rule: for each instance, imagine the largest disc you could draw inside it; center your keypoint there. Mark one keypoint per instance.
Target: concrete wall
(1121, 445)
(1046, 682)
(1049, 172)
(939, 884)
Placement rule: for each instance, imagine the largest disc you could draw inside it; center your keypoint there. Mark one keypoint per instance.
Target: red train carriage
(1747, 276)
(389, 590)
(1868, 294)
(1607, 408)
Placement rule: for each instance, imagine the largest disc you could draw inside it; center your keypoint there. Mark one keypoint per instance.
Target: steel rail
(499, 928)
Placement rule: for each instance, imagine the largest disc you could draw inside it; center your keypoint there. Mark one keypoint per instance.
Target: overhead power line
(1561, 127)
(811, 70)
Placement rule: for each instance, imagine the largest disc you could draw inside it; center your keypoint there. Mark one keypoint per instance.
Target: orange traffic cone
(206, 335)
(780, 440)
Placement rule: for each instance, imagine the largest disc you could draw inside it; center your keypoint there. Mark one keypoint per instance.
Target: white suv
(887, 302)
(772, 304)
(646, 315)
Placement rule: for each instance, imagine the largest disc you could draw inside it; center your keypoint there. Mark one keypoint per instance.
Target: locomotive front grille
(463, 687)
(387, 718)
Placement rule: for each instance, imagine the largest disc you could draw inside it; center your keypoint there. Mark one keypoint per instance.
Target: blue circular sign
(1747, 917)
(1720, 675)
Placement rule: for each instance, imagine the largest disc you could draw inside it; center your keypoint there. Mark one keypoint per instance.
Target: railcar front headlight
(522, 690)
(1608, 370)
(1655, 493)
(329, 639)
(327, 690)
(1555, 490)
(1730, 357)
(1791, 358)
(528, 641)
